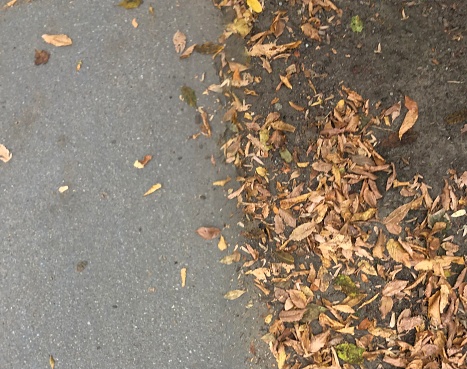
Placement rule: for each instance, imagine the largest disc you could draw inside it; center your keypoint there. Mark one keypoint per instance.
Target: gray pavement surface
(85, 129)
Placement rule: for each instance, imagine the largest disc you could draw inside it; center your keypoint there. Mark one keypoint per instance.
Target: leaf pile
(351, 281)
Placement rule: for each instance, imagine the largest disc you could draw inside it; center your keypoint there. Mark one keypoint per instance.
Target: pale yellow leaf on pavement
(303, 231)
(62, 189)
(5, 154)
(183, 276)
(255, 5)
(234, 294)
(281, 357)
(134, 23)
(222, 245)
(234, 257)
(57, 40)
(51, 362)
(153, 189)
(222, 182)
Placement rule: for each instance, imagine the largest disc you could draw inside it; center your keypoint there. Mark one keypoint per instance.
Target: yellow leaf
(138, 165)
(262, 171)
(51, 361)
(57, 40)
(268, 319)
(221, 182)
(62, 189)
(234, 294)
(398, 253)
(130, 4)
(303, 165)
(134, 23)
(222, 245)
(183, 276)
(153, 189)
(281, 357)
(255, 5)
(232, 258)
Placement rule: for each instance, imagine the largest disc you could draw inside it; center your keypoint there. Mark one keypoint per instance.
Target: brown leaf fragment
(57, 40)
(311, 32)
(140, 164)
(222, 182)
(394, 287)
(271, 50)
(208, 233)
(303, 231)
(10, 4)
(5, 154)
(318, 341)
(282, 126)
(434, 309)
(130, 4)
(296, 107)
(410, 118)
(41, 57)
(385, 306)
(51, 362)
(397, 252)
(288, 218)
(291, 315)
(406, 323)
(81, 265)
(188, 51)
(392, 220)
(179, 40)
(285, 81)
(209, 48)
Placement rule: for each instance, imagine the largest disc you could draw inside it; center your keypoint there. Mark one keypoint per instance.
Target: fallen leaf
(222, 245)
(57, 40)
(311, 32)
(411, 116)
(10, 4)
(41, 57)
(350, 353)
(183, 276)
(356, 24)
(397, 252)
(179, 40)
(234, 294)
(208, 233)
(234, 257)
(134, 23)
(291, 315)
(62, 189)
(394, 287)
(5, 154)
(130, 4)
(271, 50)
(153, 189)
(140, 164)
(51, 362)
(209, 48)
(303, 231)
(79, 65)
(255, 5)
(385, 306)
(189, 96)
(221, 182)
(81, 265)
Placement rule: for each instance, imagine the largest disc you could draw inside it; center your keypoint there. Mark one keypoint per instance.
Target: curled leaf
(153, 189)
(5, 154)
(183, 276)
(411, 116)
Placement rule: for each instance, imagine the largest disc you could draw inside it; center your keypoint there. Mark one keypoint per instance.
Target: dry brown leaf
(394, 287)
(183, 276)
(51, 362)
(234, 294)
(208, 233)
(140, 164)
(296, 107)
(433, 309)
(153, 189)
(411, 116)
(291, 315)
(303, 231)
(386, 306)
(57, 40)
(397, 252)
(271, 50)
(179, 40)
(392, 220)
(282, 126)
(41, 57)
(318, 341)
(5, 154)
(188, 51)
(222, 245)
(298, 298)
(311, 32)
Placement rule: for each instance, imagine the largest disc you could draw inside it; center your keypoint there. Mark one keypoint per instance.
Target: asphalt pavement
(91, 276)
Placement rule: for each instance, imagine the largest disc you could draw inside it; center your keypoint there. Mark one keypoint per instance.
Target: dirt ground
(415, 49)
